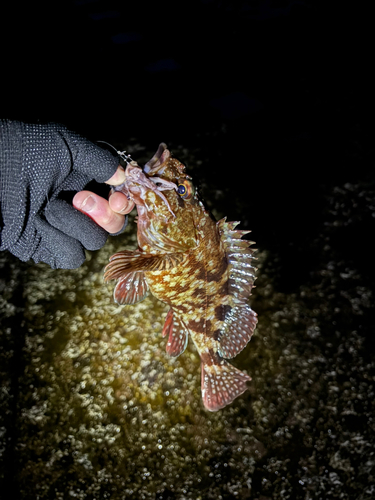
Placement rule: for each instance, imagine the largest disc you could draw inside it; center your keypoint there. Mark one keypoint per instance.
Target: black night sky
(279, 94)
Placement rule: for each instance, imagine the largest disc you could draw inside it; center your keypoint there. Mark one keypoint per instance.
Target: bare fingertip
(117, 178)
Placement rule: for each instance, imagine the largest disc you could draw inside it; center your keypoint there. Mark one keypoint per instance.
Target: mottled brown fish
(201, 268)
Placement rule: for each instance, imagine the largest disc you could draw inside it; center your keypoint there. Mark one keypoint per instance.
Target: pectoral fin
(128, 261)
(131, 288)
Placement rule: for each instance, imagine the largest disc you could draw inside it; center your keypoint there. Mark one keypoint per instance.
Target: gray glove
(40, 165)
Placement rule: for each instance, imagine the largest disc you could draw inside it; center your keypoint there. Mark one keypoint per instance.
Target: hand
(41, 167)
(110, 215)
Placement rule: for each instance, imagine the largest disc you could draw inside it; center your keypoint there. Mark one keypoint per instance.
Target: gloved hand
(40, 167)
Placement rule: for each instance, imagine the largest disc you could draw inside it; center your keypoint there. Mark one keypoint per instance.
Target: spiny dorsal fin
(240, 256)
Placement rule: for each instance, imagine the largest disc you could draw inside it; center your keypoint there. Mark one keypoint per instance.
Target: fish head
(164, 196)
(164, 167)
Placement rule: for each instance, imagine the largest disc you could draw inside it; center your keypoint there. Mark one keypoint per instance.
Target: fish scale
(201, 268)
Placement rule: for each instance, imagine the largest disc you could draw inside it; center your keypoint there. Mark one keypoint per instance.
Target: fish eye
(181, 190)
(185, 189)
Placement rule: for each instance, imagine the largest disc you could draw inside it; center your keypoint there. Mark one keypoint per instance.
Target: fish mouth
(136, 175)
(137, 182)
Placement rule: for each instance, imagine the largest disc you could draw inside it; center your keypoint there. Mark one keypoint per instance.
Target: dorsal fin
(237, 330)
(240, 256)
(240, 320)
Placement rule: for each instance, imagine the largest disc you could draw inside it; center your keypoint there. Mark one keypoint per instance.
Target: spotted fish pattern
(201, 268)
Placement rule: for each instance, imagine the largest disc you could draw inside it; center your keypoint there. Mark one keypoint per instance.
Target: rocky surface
(93, 408)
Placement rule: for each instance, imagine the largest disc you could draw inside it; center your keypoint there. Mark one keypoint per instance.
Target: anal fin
(177, 334)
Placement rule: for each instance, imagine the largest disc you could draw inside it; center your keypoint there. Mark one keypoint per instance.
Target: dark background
(276, 95)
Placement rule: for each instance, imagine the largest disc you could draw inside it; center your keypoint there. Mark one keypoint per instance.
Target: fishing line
(122, 154)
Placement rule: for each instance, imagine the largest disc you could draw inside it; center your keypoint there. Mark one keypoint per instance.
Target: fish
(200, 267)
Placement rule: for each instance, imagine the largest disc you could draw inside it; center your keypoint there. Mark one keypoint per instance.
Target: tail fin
(221, 383)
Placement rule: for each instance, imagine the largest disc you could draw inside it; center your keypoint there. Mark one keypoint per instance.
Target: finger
(119, 203)
(117, 178)
(99, 210)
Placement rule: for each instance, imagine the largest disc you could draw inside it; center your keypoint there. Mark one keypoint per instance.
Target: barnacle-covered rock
(94, 408)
